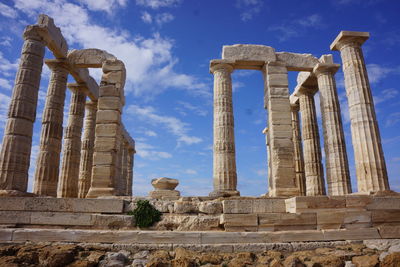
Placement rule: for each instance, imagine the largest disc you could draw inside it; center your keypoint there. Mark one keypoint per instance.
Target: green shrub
(145, 214)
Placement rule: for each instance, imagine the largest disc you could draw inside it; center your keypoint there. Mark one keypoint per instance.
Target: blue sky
(167, 45)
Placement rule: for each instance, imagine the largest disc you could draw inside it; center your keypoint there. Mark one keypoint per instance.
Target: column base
(284, 192)
(100, 192)
(224, 193)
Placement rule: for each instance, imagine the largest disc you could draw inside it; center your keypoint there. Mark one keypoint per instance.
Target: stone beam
(306, 82)
(89, 58)
(81, 76)
(248, 56)
(52, 36)
(297, 62)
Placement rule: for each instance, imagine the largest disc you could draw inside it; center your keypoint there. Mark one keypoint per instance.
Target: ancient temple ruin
(98, 162)
(294, 154)
(87, 198)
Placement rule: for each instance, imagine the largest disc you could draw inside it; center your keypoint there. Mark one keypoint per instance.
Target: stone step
(176, 237)
(62, 204)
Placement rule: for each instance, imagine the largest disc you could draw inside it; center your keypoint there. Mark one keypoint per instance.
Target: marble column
(86, 162)
(337, 166)
(129, 170)
(276, 100)
(269, 171)
(368, 153)
(224, 162)
(298, 150)
(17, 141)
(48, 160)
(313, 168)
(68, 184)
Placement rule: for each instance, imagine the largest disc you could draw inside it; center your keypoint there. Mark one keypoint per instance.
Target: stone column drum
(17, 141)
(337, 166)
(280, 131)
(368, 153)
(86, 162)
(313, 168)
(224, 163)
(298, 151)
(48, 160)
(68, 184)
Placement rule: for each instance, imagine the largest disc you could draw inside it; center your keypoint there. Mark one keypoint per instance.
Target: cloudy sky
(166, 46)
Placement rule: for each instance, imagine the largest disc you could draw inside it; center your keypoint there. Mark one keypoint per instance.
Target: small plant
(145, 214)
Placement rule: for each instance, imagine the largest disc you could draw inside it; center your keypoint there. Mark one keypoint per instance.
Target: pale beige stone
(240, 52)
(293, 236)
(61, 218)
(353, 234)
(164, 183)
(52, 36)
(89, 58)
(297, 62)
(169, 237)
(210, 207)
(231, 238)
(239, 219)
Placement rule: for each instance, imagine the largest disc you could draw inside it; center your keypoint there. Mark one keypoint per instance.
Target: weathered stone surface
(262, 205)
(185, 207)
(239, 219)
(164, 183)
(210, 207)
(297, 62)
(366, 261)
(186, 222)
(246, 53)
(89, 58)
(165, 194)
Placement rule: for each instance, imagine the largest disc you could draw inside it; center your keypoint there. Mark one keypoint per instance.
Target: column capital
(221, 64)
(322, 68)
(77, 87)
(90, 104)
(55, 64)
(31, 32)
(346, 37)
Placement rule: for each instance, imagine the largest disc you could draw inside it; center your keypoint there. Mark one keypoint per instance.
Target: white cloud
(146, 17)
(104, 5)
(197, 110)
(150, 133)
(155, 4)
(8, 11)
(149, 61)
(377, 72)
(173, 125)
(164, 18)
(249, 8)
(262, 172)
(385, 95)
(148, 151)
(313, 21)
(6, 41)
(7, 68)
(4, 103)
(190, 171)
(6, 84)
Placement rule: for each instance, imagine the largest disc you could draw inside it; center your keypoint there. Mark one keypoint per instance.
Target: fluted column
(124, 166)
(68, 185)
(276, 100)
(224, 164)
(298, 151)
(337, 166)
(86, 162)
(269, 172)
(368, 153)
(313, 169)
(129, 171)
(17, 141)
(48, 160)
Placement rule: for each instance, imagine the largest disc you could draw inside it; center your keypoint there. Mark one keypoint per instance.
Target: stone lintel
(248, 53)
(76, 87)
(328, 59)
(52, 35)
(89, 58)
(52, 63)
(306, 83)
(297, 62)
(349, 36)
(81, 76)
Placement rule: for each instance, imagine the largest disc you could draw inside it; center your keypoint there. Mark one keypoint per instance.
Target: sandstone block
(107, 130)
(109, 90)
(89, 58)
(113, 221)
(110, 103)
(108, 116)
(388, 216)
(389, 231)
(313, 203)
(104, 158)
(12, 203)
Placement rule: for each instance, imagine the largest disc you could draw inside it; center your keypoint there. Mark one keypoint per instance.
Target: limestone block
(353, 234)
(103, 171)
(109, 90)
(158, 237)
(165, 194)
(113, 221)
(164, 183)
(107, 130)
(389, 231)
(104, 158)
(106, 143)
(61, 218)
(210, 207)
(53, 36)
(313, 203)
(232, 238)
(293, 236)
(239, 219)
(108, 116)
(185, 222)
(6, 235)
(185, 207)
(164, 206)
(240, 52)
(261, 205)
(297, 62)
(287, 219)
(379, 203)
(86, 236)
(358, 201)
(15, 217)
(110, 103)
(385, 216)
(12, 203)
(89, 58)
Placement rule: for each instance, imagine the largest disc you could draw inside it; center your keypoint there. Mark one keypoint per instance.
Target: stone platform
(202, 220)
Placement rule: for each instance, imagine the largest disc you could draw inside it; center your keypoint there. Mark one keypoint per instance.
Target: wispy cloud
(150, 152)
(104, 5)
(6, 84)
(8, 11)
(392, 119)
(146, 17)
(155, 4)
(249, 8)
(377, 72)
(173, 125)
(385, 95)
(186, 106)
(295, 28)
(4, 102)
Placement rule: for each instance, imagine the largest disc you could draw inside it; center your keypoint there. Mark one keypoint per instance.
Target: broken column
(368, 153)
(280, 131)
(68, 185)
(86, 162)
(313, 168)
(48, 160)
(17, 141)
(108, 129)
(224, 164)
(298, 150)
(164, 188)
(337, 168)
